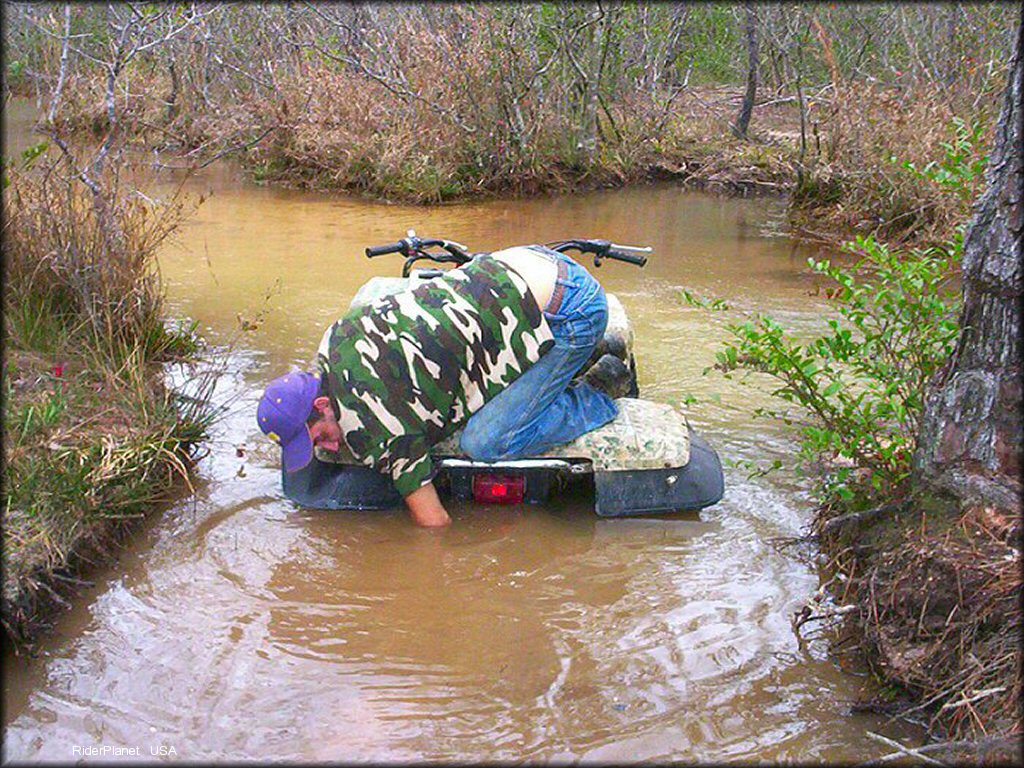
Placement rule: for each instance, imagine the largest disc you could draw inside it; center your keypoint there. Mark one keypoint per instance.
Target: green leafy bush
(859, 385)
(962, 164)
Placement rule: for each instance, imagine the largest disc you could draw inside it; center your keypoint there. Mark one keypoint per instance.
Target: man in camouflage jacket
(491, 346)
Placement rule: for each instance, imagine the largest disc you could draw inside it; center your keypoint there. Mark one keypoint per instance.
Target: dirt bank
(937, 590)
(86, 454)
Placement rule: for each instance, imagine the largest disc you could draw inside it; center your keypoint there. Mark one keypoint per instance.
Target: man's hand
(425, 507)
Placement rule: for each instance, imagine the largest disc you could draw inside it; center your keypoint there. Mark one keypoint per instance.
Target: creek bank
(938, 614)
(86, 455)
(832, 198)
(729, 168)
(93, 436)
(854, 169)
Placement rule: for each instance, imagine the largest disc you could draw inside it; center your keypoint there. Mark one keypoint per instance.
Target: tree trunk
(970, 442)
(171, 103)
(588, 124)
(747, 107)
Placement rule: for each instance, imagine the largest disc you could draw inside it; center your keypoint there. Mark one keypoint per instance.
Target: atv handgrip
(622, 256)
(383, 250)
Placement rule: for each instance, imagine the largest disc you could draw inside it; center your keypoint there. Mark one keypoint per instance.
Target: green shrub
(859, 385)
(963, 162)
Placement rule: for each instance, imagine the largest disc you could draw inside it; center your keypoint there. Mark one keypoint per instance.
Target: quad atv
(647, 460)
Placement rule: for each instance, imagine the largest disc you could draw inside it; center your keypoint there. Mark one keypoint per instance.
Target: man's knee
(480, 446)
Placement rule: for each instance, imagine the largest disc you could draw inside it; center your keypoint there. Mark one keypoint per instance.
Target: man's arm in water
(425, 507)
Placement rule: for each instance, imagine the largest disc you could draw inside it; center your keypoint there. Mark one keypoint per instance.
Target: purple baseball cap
(286, 404)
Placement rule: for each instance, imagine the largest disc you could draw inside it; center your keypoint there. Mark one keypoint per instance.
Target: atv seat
(645, 435)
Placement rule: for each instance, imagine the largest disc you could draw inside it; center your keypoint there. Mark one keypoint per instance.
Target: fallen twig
(986, 743)
(805, 616)
(859, 517)
(902, 751)
(976, 697)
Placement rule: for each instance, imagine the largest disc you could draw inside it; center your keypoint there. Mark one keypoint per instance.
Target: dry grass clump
(83, 112)
(854, 180)
(83, 259)
(91, 434)
(946, 618)
(687, 137)
(335, 129)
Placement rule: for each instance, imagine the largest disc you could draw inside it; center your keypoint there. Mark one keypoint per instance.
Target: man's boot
(609, 375)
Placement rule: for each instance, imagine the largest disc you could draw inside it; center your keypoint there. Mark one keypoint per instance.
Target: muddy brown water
(235, 625)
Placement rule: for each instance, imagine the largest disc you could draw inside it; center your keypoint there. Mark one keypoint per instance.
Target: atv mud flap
(629, 493)
(325, 485)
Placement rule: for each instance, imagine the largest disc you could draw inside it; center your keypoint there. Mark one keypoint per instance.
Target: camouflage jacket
(407, 370)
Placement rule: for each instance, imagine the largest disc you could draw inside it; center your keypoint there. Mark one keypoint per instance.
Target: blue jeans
(539, 409)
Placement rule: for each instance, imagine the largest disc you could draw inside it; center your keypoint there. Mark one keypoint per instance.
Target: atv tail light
(499, 489)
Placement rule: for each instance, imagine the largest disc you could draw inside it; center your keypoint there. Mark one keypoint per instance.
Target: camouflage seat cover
(618, 336)
(645, 435)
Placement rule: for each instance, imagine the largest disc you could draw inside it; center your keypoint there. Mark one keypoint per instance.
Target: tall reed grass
(92, 436)
(84, 259)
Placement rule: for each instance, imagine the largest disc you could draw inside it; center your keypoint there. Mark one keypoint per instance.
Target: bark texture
(970, 442)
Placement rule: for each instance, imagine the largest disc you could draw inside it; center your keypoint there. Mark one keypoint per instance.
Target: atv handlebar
(415, 248)
(383, 250)
(627, 257)
(603, 249)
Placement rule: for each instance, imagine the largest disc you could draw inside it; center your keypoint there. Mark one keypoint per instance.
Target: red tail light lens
(499, 489)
